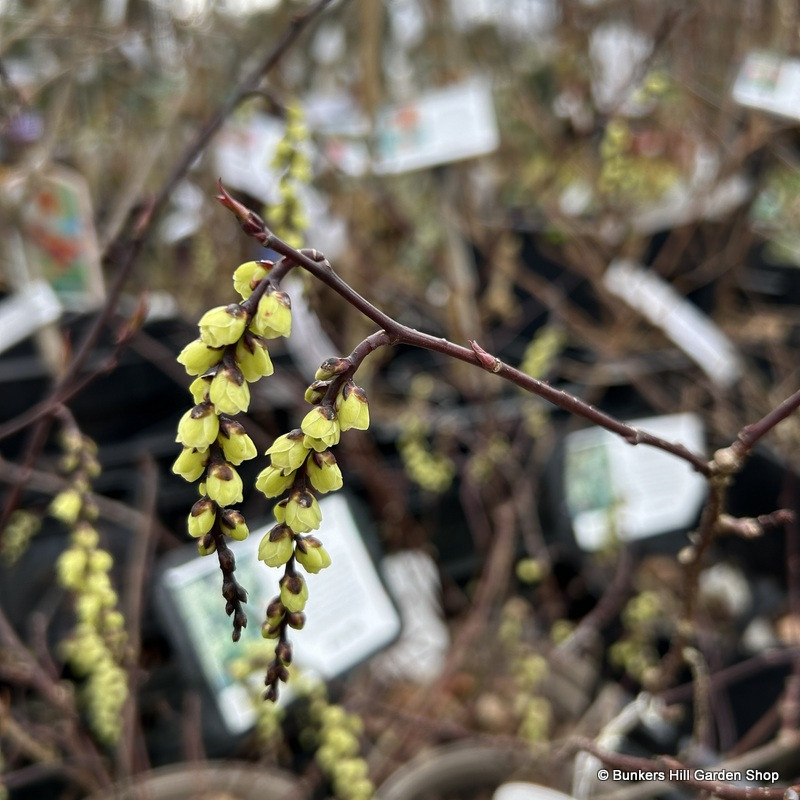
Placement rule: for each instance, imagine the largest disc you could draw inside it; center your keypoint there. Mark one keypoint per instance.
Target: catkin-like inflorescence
(230, 354)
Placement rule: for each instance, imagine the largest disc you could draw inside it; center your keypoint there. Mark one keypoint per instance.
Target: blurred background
(602, 193)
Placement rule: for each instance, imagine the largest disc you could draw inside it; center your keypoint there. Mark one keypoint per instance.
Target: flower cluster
(230, 354)
(337, 734)
(301, 463)
(96, 647)
(294, 165)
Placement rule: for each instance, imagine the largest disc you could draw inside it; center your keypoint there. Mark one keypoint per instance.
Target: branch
(316, 264)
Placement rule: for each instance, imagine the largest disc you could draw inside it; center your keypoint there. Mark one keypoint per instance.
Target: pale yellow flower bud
(352, 407)
(302, 512)
(229, 391)
(277, 546)
(248, 275)
(253, 358)
(288, 451)
(190, 464)
(324, 472)
(197, 357)
(223, 485)
(198, 427)
(311, 554)
(274, 315)
(223, 325)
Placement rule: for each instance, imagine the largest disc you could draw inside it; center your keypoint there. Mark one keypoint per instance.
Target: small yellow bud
(332, 367)
(234, 525)
(275, 612)
(224, 485)
(324, 472)
(199, 389)
(311, 554)
(302, 512)
(236, 444)
(322, 427)
(294, 592)
(352, 407)
(288, 451)
(248, 275)
(316, 392)
(229, 392)
(190, 464)
(201, 517)
(253, 358)
(66, 506)
(197, 357)
(100, 561)
(71, 567)
(273, 482)
(277, 546)
(206, 546)
(198, 427)
(223, 325)
(274, 315)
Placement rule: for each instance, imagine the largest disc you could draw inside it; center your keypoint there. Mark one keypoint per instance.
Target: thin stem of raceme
(396, 333)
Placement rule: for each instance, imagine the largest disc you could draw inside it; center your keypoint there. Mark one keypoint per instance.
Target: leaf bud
(277, 546)
(197, 357)
(224, 485)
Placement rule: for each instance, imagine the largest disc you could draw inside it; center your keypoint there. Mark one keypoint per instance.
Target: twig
(320, 268)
